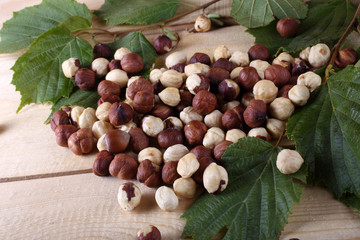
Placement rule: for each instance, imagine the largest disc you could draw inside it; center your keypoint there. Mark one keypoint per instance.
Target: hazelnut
(116, 141)
(298, 67)
(81, 141)
(59, 117)
(240, 58)
(143, 101)
(217, 75)
(213, 136)
(281, 108)
(293, 80)
(75, 113)
(204, 162)
(289, 161)
(286, 65)
(220, 149)
(169, 173)
(283, 92)
(275, 127)
(265, 90)
(347, 56)
(114, 64)
(175, 58)
(230, 105)
(259, 51)
(173, 122)
(100, 128)
(155, 75)
(180, 67)
(166, 198)
(255, 113)
(108, 98)
(162, 44)
(215, 178)
(87, 118)
(235, 73)
(185, 187)
(170, 137)
(248, 77)
(129, 196)
(102, 51)
(299, 95)
(120, 53)
(188, 114)
(283, 57)
(196, 68)
(277, 74)
(259, 132)
(223, 63)
(233, 118)
(123, 166)
(247, 98)
(221, 52)
(102, 112)
(127, 126)
(310, 79)
(158, 87)
(149, 174)
(170, 96)
(213, 119)
(287, 27)
(85, 79)
(149, 233)
(204, 102)
(152, 154)
(171, 78)
(260, 67)
(101, 143)
(175, 152)
(194, 132)
(186, 100)
(140, 84)
(138, 140)
(200, 151)
(108, 87)
(202, 24)
(100, 66)
(201, 58)
(152, 126)
(233, 135)
(304, 54)
(120, 113)
(63, 133)
(118, 76)
(228, 90)
(70, 66)
(132, 63)
(187, 165)
(319, 55)
(102, 163)
(162, 111)
(197, 82)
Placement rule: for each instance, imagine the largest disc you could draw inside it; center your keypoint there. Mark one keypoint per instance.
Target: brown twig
(280, 138)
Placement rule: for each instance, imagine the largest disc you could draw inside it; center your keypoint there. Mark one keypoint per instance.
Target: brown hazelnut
(204, 102)
(186, 100)
(123, 166)
(108, 98)
(158, 87)
(277, 74)
(140, 84)
(287, 27)
(283, 92)
(132, 63)
(228, 90)
(197, 82)
(255, 113)
(59, 117)
(81, 141)
(162, 111)
(247, 98)
(116, 141)
(201, 151)
(347, 56)
(63, 133)
(201, 58)
(102, 163)
(298, 67)
(85, 79)
(169, 173)
(217, 75)
(233, 118)
(106, 87)
(114, 64)
(120, 113)
(293, 80)
(149, 174)
(259, 51)
(144, 101)
(138, 140)
(220, 149)
(170, 137)
(180, 67)
(194, 132)
(248, 77)
(162, 44)
(204, 162)
(224, 63)
(149, 232)
(102, 51)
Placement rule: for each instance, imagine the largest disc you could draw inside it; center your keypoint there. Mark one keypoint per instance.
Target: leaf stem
(280, 138)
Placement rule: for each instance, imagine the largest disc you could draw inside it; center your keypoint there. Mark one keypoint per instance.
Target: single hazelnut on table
(100, 66)
(289, 161)
(185, 100)
(120, 53)
(202, 24)
(287, 27)
(144, 101)
(260, 67)
(70, 66)
(220, 149)
(152, 126)
(173, 122)
(201, 58)
(102, 111)
(223, 63)
(169, 172)
(298, 67)
(140, 84)
(265, 90)
(194, 132)
(230, 105)
(204, 162)
(175, 152)
(81, 141)
(309, 79)
(235, 74)
(180, 67)
(171, 78)
(248, 77)
(116, 141)
(215, 178)
(162, 44)
(213, 119)
(233, 135)
(187, 165)
(63, 132)
(170, 137)
(175, 58)
(114, 64)
(196, 68)
(108, 98)
(120, 113)
(87, 118)
(200, 151)
(213, 136)
(100, 128)
(239, 58)
(189, 114)
(102, 51)
(138, 140)
(129, 196)
(281, 108)
(149, 174)
(170, 96)
(259, 132)
(299, 95)
(221, 52)
(259, 51)
(233, 118)
(217, 75)
(228, 90)
(277, 74)
(108, 87)
(347, 56)
(275, 127)
(283, 92)
(166, 199)
(59, 117)
(117, 76)
(319, 55)
(132, 63)
(85, 79)
(255, 114)
(102, 163)
(204, 102)
(75, 113)
(247, 98)
(149, 233)
(123, 166)
(152, 154)
(185, 187)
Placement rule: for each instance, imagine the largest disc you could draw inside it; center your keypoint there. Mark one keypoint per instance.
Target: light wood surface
(83, 206)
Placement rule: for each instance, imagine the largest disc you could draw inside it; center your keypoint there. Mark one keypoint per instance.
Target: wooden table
(48, 193)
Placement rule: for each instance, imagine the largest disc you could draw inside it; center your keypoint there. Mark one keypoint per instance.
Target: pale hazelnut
(230, 105)
(215, 178)
(102, 112)
(319, 55)
(213, 119)
(247, 98)
(185, 187)
(196, 83)
(116, 141)
(260, 67)
(101, 143)
(187, 165)
(120, 53)
(235, 73)
(166, 199)
(175, 58)
(259, 132)
(304, 54)
(152, 126)
(170, 96)
(233, 135)
(213, 136)
(155, 75)
(70, 66)
(275, 127)
(202, 24)
(81, 141)
(149, 233)
(310, 79)
(100, 66)
(87, 118)
(194, 132)
(171, 78)
(118, 76)
(173, 122)
(189, 114)
(228, 90)
(281, 108)
(194, 68)
(152, 154)
(284, 56)
(175, 152)
(75, 113)
(265, 90)
(289, 161)
(127, 127)
(129, 196)
(240, 58)
(221, 52)
(299, 95)
(100, 128)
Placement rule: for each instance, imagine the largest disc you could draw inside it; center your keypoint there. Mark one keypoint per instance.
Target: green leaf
(325, 23)
(26, 25)
(169, 34)
(137, 43)
(137, 11)
(351, 200)
(38, 74)
(327, 130)
(260, 13)
(256, 202)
